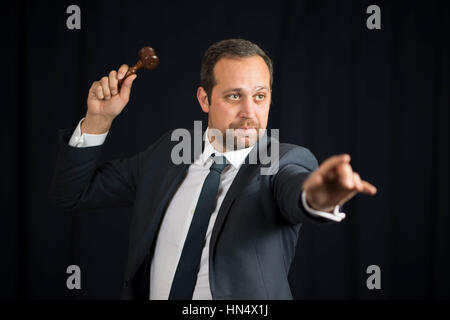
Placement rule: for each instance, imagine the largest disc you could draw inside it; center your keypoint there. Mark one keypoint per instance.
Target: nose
(247, 107)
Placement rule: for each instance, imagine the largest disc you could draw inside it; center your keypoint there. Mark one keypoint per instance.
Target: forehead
(249, 71)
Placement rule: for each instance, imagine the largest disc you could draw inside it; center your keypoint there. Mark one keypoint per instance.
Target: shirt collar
(234, 157)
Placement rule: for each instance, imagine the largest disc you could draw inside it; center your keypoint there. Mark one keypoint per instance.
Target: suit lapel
(166, 189)
(173, 177)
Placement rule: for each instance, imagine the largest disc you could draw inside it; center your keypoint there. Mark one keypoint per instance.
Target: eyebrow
(261, 88)
(258, 88)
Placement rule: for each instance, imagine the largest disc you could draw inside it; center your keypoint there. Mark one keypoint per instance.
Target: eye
(233, 96)
(260, 97)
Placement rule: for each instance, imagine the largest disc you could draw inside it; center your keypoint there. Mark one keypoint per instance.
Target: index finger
(122, 71)
(368, 188)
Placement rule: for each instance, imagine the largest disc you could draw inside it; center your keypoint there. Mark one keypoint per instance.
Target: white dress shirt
(179, 213)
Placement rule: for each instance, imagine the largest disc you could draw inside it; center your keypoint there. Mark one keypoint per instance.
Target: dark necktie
(188, 266)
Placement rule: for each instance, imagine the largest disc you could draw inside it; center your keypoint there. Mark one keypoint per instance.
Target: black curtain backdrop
(380, 95)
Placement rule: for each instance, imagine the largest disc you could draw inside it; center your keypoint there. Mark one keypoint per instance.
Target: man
(214, 228)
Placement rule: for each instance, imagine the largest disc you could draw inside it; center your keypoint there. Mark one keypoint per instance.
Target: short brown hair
(230, 48)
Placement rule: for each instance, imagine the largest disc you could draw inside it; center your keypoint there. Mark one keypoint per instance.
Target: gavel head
(148, 57)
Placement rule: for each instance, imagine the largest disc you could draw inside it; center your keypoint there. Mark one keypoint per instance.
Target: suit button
(126, 283)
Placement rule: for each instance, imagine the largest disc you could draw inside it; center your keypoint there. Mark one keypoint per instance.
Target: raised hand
(105, 101)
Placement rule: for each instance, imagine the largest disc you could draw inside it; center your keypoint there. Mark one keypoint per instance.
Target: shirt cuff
(335, 216)
(84, 140)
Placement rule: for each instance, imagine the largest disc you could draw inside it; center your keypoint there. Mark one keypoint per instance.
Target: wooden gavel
(147, 59)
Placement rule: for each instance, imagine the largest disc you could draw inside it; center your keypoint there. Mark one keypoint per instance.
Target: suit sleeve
(79, 182)
(295, 167)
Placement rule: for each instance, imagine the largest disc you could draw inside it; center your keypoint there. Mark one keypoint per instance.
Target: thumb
(126, 87)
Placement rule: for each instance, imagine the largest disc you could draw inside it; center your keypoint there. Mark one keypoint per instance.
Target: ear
(202, 98)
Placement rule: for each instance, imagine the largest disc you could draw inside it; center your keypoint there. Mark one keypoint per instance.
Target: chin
(244, 142)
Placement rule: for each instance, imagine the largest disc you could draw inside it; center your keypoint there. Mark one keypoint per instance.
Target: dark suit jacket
(254, 236)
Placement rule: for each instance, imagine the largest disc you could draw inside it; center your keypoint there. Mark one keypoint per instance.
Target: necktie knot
(220, 162)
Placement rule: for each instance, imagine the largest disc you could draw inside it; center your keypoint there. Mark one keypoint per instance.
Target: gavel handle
(130, 72)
